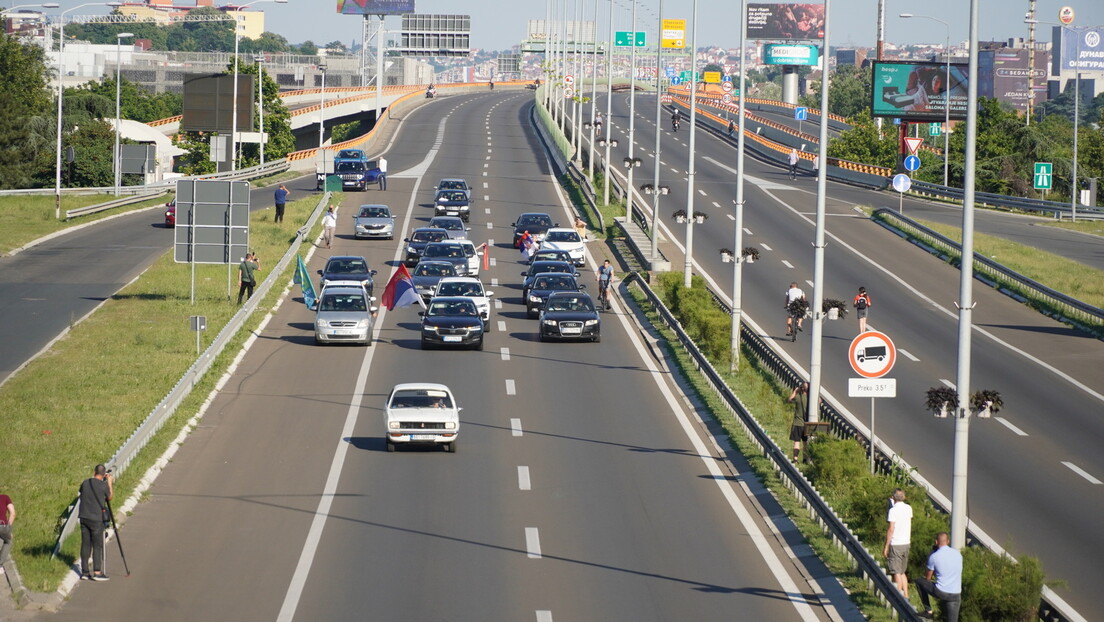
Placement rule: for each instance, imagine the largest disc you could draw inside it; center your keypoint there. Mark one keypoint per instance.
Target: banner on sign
(916, 91)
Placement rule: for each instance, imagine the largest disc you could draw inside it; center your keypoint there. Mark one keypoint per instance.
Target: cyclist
(676, 118)
(793, 294)
(605, 277)
(492, 85)
(793, 160)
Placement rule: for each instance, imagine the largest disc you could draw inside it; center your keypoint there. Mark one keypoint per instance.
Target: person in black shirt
(95, 492)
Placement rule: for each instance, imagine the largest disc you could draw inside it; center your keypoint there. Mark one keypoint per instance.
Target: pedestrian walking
(792, 159)
(862, 305)
(383, 173)
(247, 276)
(7, 518)
(945, 565)
(598, 124)
(731, 127)
(898, 538)
(95, 492)
(816, 165)
(280, 200)
(329, 223)
(799, 397)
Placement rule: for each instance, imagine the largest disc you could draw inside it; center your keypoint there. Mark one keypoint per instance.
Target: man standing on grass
(95, 492)
(281, 200)
(7, 517)
(247, 277)
(898, 538)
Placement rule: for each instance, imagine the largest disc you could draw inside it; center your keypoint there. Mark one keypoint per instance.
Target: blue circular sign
(675, 80)
(912, 163)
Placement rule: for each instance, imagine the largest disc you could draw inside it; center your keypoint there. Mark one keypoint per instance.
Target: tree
(267, 42)
(137, 104)
(308, 48)
(202, 36)
(94, 146)
(27, 126)
(863, 143)
(848, 91)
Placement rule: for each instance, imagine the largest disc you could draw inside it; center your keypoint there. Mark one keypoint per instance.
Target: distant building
(850, 57)
(249, 24)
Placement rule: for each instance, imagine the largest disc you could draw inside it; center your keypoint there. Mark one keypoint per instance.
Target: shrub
(996, 588)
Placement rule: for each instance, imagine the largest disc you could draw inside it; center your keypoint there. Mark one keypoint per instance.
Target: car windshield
(375, 212)
(570, 303)
(535, 219)
(454, 184)
(460, 288)
(452, 196)
(434, 269)
(421, 399)
(554, 282)
(428, 236)
(448, 224)
(350, 153)
(347, 266)
(444, 250)
(349, 167)
(469, 249)
(549, 267)
(562, 236)
(343, 302)
(453, 308)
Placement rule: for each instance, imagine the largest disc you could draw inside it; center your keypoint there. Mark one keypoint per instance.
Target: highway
(1036, 468)
(584, 486)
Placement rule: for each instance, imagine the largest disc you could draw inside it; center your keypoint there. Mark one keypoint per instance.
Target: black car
(570, 315)
(347, 269)
(543, 285)
(452, 203)
(418, 240)
(428, 273)
(452, 252)
(452, 321)
(541, 267)
(550, 254)
(537, 224)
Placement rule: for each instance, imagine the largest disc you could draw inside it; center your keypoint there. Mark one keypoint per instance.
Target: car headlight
(411, 250)
(363, 323)
(450, 425)
(590, 322)
(394, 425)
(167, 214)
(550, 322)
(323, 323)
(429, 328)
(533, 298)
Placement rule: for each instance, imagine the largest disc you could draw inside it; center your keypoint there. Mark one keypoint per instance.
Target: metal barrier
(1068, 307)
(1009, 202)
(103, 207)
(168, 405)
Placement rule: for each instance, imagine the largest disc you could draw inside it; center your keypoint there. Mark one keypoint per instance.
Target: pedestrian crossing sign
(1044, 175)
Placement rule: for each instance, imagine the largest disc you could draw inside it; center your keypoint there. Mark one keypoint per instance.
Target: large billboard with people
(375, 7)
(919, 91)
(785, 22)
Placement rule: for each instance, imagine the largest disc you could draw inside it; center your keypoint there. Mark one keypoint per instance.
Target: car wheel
(450, 447)
(390, 447)
(425, 345)
(596, 338)
(479, 344)
(543, 337)
(531, 312)
(369, 342)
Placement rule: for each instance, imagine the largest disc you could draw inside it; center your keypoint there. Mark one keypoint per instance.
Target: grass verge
(74, 406)
(24, 219)
(1092, 227)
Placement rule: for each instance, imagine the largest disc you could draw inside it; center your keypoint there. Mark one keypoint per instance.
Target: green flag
(304, 280)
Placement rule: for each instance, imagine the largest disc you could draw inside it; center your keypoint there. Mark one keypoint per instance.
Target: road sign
(871, 387)
(1066, 15)
(727, 98)
(902, 182)
(712, 77)
(935, 129)
(872, 354)
(569, 80)
(670, 72)
(912, 163)
(674, 33)
(726, 79)
(675, 80)
(569, 92)
(801, 113)
(1044, 175)
(726, 86)
(624, 39)
(912, 143)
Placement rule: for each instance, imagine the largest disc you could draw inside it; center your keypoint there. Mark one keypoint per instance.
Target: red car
(170, 214)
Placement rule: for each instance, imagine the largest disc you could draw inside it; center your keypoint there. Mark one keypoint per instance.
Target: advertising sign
(1083, 49)
(674, 34)
(1003, 74)
(790, 54)
(787, 22)
(916, 91)
(375, 7)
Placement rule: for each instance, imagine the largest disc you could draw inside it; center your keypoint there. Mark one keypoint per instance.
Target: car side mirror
(313, 306)
(373, 272)
(373, 309)
(371, 299)
(488, 294)
(435, 188)
(467, 228)
(407, 240)
(581, 287)
(320, 272)
(421, 313)
(524, 273)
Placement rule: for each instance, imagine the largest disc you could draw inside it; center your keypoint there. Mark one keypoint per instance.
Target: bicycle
(603, 295)
(796, 311)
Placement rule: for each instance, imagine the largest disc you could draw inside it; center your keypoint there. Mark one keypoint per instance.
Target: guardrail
(1069, 308)
(1000, 200)
(168, 405)
(103, 207)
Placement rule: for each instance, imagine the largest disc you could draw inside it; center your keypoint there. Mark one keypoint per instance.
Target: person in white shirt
(896, 550)
(329, 223)
(792, 294)
(793, 159)
(383, 173)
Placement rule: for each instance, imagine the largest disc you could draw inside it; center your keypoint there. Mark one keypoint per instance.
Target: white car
(564, 239)
(474, 254)
(421, 413)
(468, 287)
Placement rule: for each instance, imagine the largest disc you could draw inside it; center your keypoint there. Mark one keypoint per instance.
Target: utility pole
(1030, 59)
(881, 30)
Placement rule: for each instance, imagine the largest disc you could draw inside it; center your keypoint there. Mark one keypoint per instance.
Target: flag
(304, 280)
(400, 290)
(486, 256)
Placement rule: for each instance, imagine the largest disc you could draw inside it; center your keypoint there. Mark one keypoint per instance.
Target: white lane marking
(505, 353)
(906, 353)
(488, 150)
(488, 158)
(501, 323)
(663, 162)
(498, 305)
(485, 185)
(809, 283)
(486, 165)
(947, 382)
(515, 427)
(787, 264)
(766, 248)
(532, 543)
(701, 192)
(748, 232)
(674, 170)
(716, 204)
(543, 615)
(490, 225)
(484, 173)
(487, 197)
(1078, 470)
(493, 262)
(494, 281)
(510, 388)
(730, 217)
(1008, 424)
(523, 478)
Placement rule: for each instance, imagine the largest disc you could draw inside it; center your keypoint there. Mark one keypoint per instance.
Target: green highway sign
(623, 39)
(685, 75)
(935, 129)
(1044, 175)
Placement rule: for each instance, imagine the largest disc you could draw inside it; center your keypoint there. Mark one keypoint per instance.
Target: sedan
(468, 287)
(455, 226)
(348, 269)
(549, 254)
(452, 203)
(428, 273)
(344, 315)
(543, 286)
(541, 267)
(451, 252)
(421, 413)
(570, 315)
(566, 240)
(374, 221)
(475, 255)
(453, 183)
(452, 321)
(537, 224)
(418, 240)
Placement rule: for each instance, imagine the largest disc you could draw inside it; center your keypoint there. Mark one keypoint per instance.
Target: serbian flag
(400, 290)
(486, 256)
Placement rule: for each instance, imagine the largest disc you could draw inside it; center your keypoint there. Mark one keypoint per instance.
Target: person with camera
(247, 276)
(95, 492)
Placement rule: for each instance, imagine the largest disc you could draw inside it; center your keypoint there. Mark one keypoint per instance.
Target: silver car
(455, 226)
(344, 315)
(374, 221)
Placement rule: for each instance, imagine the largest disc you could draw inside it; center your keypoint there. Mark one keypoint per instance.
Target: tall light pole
(632, 116)
(738, 269)
(1030, 19)
(688, 264)
(817, 337)
(234, 113)
(116, 160)
(61, 93)
(946, 94)
(593, 86)
(259, 61)
(659, 126)
(322, 120)
(608, 129)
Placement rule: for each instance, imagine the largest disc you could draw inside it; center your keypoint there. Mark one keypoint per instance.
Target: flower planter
(833, 313)
(943, 411)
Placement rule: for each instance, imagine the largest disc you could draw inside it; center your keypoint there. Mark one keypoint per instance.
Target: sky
(499, 24)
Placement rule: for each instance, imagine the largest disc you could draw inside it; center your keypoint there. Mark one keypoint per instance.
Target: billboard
(791, 22)
(789, 54)
(1082, 49)
(916, 91)
(375, 7)
(1004, 75)
(209, 99)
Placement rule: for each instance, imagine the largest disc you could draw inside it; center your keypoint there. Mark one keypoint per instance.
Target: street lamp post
(117, 159)
(738, 269)
(946, 94)
(655, 156)
(607, 131)
(259, 60)
(60, 94)
(688, 263)
(234, 113)
(632, 116)
(322, 125)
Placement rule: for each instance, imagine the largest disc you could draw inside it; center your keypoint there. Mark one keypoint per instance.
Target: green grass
(1092, 227)
(24, 219)
(74, 406)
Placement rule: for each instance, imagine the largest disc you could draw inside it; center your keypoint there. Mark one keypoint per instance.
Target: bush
(996, 588)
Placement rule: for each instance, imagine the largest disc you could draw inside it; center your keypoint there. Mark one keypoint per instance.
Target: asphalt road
(583, 487)
(1036, 468)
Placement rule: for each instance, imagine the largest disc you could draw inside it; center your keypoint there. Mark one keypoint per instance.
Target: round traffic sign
(727, 86)
(872, 354)
(912, 163)
(1066, 15)
(675, 80)
(727, 98)
(569, 79)
(569, 92)
(902, 183)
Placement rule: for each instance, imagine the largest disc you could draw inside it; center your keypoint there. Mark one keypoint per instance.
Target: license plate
(422, 437)
(567, 330)
(452, 338)
(342, 331)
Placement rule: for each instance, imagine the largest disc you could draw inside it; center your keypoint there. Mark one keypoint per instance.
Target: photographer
(247, 278)
(95, 492)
